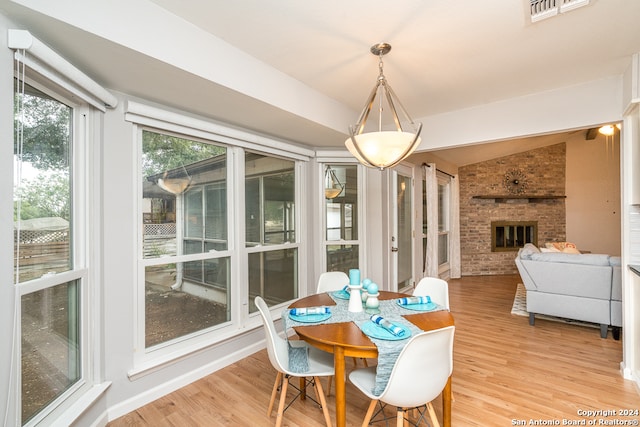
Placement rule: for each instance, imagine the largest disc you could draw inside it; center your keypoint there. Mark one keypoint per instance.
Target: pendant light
(383, 148)
(332, 185)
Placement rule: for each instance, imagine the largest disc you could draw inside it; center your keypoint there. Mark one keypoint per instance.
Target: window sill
(71, 414)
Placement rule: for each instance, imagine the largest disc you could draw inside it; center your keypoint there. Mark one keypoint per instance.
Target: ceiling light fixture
(607, 130)
(610, 129)
(383, 148)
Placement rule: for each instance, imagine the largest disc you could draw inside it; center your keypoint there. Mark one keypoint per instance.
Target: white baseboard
(130, 405)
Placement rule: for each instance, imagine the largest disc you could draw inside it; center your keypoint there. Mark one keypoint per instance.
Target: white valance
(54, 67)
(160, 118)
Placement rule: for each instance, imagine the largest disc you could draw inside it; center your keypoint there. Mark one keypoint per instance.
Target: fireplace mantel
(529, 197)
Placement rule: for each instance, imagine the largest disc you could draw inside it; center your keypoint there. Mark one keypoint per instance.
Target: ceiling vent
(543, 9)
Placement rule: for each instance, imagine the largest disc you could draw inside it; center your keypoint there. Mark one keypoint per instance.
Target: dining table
(345, 339)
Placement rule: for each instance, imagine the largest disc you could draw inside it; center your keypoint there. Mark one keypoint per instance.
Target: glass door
(402, 237)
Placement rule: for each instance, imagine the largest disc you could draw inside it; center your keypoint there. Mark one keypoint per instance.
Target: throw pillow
(566, 247)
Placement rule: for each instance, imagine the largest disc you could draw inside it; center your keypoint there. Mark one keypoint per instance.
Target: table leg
(341, 393)
(446, 404)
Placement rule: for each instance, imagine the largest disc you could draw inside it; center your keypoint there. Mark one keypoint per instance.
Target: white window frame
(64, 407)
(236, 142)
(446, 182)
(322, 224)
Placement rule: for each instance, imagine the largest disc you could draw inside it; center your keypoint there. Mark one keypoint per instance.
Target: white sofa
(585, 287)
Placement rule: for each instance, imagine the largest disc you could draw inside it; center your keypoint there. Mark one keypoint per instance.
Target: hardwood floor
(505, 373)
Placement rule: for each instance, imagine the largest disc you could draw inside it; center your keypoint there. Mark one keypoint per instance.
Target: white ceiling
(446, 55)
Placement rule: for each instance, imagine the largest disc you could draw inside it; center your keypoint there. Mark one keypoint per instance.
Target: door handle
(393, 249)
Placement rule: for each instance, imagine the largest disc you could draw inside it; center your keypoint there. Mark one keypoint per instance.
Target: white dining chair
(320, 365)
(332, 281)
(436, 288)
(418, 376)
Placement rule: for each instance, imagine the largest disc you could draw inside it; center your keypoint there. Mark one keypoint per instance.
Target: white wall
(567, 108)
(593, 193)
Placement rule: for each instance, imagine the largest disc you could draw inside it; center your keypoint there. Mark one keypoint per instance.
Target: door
(402, 231)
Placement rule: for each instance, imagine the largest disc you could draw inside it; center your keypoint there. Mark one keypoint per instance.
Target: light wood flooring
(505, 372)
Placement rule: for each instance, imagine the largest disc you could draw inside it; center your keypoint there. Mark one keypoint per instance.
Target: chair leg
(400, 419)
(323, 401)
(283, 397)
(364, 361)
(369, 414)
(276, 384)
(432, 415)
(303, 388)
(329, 385)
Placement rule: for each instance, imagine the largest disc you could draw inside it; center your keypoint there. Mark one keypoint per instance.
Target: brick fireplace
(486, 198)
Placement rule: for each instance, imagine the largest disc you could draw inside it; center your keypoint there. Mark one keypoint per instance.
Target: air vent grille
(543, 9)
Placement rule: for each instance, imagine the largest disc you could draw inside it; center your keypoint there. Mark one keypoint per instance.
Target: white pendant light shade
(383, 148)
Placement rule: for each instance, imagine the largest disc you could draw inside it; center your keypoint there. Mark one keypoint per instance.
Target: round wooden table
(347, 340)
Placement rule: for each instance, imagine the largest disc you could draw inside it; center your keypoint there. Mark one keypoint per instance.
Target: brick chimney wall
(544, 169)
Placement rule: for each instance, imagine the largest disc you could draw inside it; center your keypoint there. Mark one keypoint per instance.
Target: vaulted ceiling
(301, 70)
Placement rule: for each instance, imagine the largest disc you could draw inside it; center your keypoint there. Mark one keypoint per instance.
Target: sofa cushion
(584, 259)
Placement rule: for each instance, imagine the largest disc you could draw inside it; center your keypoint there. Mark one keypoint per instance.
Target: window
(341, 222)
(185, 244)
(424, 224)
(218, 225)
(443, 221)
(51, 281)
(270, 222)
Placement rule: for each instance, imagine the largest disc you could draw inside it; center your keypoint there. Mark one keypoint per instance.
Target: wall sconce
(332, 185)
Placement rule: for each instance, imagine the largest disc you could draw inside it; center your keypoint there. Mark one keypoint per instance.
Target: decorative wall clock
(515, 181)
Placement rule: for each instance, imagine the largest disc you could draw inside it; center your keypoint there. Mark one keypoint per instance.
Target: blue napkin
(309, 310)
(394, 329)
(415, 300)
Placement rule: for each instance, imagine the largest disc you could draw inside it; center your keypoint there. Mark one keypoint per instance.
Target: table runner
(388, 351)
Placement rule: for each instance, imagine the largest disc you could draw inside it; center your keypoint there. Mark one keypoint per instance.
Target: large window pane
(404, 202)
(341, 218)
(50, 345)
(273, 275)
(184, 213)
(201, 301)
(270, 220)
(443, 222)
(341, 212)
(269, 200)
(42, 186)
(342, 257)
(184, 194)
